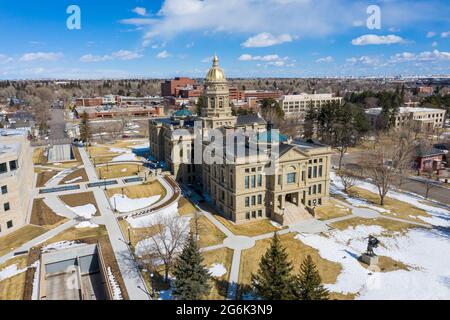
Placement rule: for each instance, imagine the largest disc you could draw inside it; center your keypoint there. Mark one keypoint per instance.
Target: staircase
(294, 214)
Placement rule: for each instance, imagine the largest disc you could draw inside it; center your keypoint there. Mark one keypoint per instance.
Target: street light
(129, 236)
(151, 282)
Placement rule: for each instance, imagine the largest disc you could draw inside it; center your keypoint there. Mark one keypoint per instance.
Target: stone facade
(242, 189)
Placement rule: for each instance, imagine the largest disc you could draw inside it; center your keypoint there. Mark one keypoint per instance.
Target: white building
(297, 105)
(426, 119)
(16, 180)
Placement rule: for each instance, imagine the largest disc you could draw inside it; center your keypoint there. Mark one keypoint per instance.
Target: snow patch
(153, 218)
(87, 211)
(117, 293)
(125, 204)
(74, 180)
(86, 224)
(60, 246)
(217, 270)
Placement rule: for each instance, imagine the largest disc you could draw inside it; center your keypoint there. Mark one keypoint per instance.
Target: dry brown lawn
(219, 286)
(80, 199)
(398, 209)
(42, 215)
(185, 207)
(14, 240)
(118, 171)
(209, 234)
(332, 210)
(389, 225)
(38, 156)
(44, 176)
(144, 190)
(73, 234)
(249, 229)
(297, 252)
(77, 173)
(13, 288)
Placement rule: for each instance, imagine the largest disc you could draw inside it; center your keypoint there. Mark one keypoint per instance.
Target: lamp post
(151, 282)
(129, 236)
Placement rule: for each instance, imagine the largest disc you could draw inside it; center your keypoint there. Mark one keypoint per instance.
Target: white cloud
(5, 59)
(207, 59)
(445, 34)
(265, 39)
(140, 11)
(163, 55)
(429, 56)
(42, 56)
(373, 39)
(431, 34)
(139, 21)
(325, 59)
(270, 60)
(366, 60)
(434, 44)
(118, 55)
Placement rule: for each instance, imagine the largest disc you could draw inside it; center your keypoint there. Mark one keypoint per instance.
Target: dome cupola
(215, 74)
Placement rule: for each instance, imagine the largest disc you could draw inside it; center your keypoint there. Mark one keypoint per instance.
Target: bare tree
(167, 241)
(348, 178)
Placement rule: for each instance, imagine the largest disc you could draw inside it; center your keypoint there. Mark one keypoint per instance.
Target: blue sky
(253, 38)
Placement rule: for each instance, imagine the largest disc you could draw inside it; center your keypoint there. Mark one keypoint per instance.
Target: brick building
(172, 87)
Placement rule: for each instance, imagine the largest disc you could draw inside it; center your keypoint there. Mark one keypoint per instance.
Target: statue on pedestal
(373, 243)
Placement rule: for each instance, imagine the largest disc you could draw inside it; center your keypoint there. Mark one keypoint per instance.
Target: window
(9, 224)
(291, 177)
(253, 214)
(253, 200)
(247, 201)
(259, 199)
(309, 173)
(314, 189)
(253, 181)
(247, 215)
(319, 188)
(6, 206)
(280, 179)
(4, 189)
(260, 213)
(259, 180)
(247, 182)
(320, 170)
(303, 175)
(3, 167)
(315, 172)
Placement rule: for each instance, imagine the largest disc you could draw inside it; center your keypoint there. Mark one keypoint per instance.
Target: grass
(398, 209)
(219, 286)
(38, 156)
(14, 240)
(389, 225)
(250, 229)
(103, 159)
(13, 288)
(42, 215)
(44, 176)
(77, 173)
(331, 210)
(387, 264)
(297, 252)
(209, 234)
(80, 199)
(99, 150)
(73, 234)
(185, 207)
(118, 171)
(144, 190)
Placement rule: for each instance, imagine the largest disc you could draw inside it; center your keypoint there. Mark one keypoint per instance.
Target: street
(438, 193)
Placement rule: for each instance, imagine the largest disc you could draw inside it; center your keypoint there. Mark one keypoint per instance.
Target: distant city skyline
(265, 38)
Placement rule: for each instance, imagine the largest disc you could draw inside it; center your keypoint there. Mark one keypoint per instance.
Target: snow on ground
(10, 272)
(440, 216)
(129, 156)
(125, 204)
(86, 224)
(217, 270)
(60, 246)
(142, 146)
(157, 218)
(275, 224)
(153, 218)
(421, 249)
(87, 211)
(118, 150)
(74, 180)
(117, 293)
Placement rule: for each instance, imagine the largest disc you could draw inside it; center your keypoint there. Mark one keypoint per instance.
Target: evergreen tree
(191, 277)
(85, 130)
(308, 284)
(273, 281)
(310, 122)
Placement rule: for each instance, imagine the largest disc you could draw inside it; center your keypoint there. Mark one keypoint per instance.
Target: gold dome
(215, 74)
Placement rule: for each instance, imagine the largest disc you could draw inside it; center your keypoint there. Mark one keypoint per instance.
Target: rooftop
(377, 111)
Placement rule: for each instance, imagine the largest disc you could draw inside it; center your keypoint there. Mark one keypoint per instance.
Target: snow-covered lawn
(151, 219)
(128, 156)
(87, 211)
(86, 224)
(217, 270)
(60, 246)
(420, 249)
(125, 204)
(74, 180)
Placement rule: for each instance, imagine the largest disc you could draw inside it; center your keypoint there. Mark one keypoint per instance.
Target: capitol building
(260, 174)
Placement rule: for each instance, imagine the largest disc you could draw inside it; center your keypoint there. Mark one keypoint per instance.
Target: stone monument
(369, 257)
